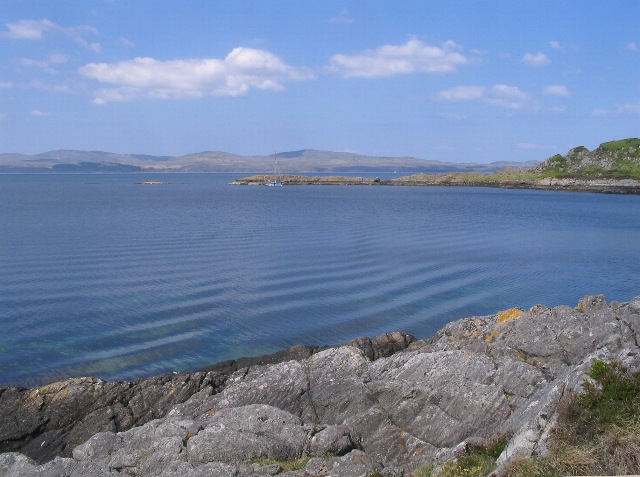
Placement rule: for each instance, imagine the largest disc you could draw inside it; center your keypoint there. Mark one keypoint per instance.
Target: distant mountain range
(306, 160)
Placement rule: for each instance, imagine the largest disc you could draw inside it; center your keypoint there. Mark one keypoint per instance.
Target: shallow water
(102, 276)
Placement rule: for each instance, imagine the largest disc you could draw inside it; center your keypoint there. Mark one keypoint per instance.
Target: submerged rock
(385, 405)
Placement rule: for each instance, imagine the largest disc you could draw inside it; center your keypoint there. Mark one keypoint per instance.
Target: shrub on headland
(598, 433)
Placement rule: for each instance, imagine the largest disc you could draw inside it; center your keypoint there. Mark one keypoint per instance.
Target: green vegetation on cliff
(611, 160)
(598, 432)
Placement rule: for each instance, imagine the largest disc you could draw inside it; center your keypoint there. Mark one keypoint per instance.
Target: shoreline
(603, 186)
(392, 401)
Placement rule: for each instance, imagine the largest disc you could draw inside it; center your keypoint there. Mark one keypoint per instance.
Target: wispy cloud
(127, 43)
(6, 85)
(633, 46)
(559, 90)
(147, 78)
(343, 17)
(38, 29)
(38, 113)
(29, 29)
(537, 59)
(622, 108)
(46, 64)
(563, 47)
(628, 108)
(502, 95)
(389, 60)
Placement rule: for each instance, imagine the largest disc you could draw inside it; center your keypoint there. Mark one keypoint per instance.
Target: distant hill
(306, 160)
(611, 160)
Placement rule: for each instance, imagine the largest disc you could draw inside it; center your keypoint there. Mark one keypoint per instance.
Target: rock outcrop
(614, 159)
(51, 420)
(613, 168)
(419, 401)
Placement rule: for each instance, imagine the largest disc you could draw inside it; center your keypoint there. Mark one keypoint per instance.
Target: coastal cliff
(388, 405)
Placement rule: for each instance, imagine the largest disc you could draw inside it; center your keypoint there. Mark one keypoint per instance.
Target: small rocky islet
(383, 406)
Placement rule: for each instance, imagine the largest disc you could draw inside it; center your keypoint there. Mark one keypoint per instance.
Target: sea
(106, 276)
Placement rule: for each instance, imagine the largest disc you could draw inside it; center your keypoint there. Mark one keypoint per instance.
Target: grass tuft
(598, 431)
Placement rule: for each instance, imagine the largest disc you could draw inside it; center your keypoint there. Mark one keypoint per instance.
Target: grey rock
(333, 440)
(355, 464)
(270, 469)
(236, 435)
(15, 464)
(51, 420)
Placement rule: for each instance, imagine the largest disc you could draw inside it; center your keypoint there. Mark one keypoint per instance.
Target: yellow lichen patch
(509, 315)
(491, 336)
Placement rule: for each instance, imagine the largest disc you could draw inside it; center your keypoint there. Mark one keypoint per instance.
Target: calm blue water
(104, 277)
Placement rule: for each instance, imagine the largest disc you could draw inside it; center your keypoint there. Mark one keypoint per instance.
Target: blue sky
(464, 81)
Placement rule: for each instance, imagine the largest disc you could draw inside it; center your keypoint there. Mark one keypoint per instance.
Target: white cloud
(6, 85)
(29, 29)
(559, 90)
(624, 108)
(537, 59)
(633, 46)
(502, 95)
(343, 17)
(554, 44)
(388, 60)
(36, 30)
(46, 65)
(628, 108)
(241, 70)
(463, 93)
(38, 113)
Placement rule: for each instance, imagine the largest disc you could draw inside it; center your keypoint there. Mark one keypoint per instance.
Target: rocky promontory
(518, 181)
(613, 168)
(387, 405)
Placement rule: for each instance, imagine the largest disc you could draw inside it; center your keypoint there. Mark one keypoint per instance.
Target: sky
(456, 80)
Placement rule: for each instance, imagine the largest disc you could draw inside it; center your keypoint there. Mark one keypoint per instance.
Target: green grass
(623, 144)
(287, 465)
(478, 462)
(598, 432)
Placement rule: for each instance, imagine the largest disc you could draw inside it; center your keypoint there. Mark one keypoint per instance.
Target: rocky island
(613, 167)
(388, 406)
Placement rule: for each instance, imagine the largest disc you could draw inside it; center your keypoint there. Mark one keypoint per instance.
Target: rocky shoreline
(389, 404)
(606, 186)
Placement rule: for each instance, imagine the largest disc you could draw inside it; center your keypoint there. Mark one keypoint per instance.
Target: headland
(613, 167)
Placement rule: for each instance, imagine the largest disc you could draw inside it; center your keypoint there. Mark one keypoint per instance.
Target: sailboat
(274, 181)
